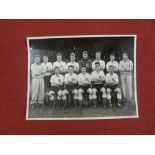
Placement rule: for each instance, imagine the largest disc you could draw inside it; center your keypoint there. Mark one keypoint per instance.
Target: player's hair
(97, 63)
(45, 55)
(59, 54)
(72, 54)
(112, 54)
(71, 66)
(83, 66)
(56, 67)
(124, 52)
(111, 66)
(37, 55)
(98, 52)
(85, 52)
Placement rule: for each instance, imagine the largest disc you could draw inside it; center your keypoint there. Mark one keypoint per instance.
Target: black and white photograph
(81, 77)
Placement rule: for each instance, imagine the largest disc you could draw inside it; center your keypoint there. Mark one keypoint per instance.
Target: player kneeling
(71, 86)
(57, 87)
(112, 86)
(84, 81)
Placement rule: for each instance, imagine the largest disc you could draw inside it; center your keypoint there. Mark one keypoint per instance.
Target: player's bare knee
(108, 91)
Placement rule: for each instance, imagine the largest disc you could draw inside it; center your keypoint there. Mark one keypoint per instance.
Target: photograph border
(84, 118)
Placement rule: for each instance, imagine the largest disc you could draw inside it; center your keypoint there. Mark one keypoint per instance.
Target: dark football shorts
(98, 86)
(112, 87)
(56, 88)
(70, 88)
(85, 88)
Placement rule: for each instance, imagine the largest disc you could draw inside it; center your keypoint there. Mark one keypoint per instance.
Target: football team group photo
(82, 77)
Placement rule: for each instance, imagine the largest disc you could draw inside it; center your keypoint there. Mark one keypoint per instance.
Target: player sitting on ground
(98, 82)
(70, 81)
(84, 81)
(112, 85)
(57, 85)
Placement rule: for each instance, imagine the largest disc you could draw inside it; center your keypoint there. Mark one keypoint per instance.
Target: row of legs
(38, 89)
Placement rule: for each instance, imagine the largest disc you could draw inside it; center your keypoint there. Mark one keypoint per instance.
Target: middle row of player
(84, 78)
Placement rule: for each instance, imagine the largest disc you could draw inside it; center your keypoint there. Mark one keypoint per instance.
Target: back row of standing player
(45, 69)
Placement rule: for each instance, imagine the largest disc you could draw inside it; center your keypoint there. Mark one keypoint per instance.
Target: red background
(13, 78)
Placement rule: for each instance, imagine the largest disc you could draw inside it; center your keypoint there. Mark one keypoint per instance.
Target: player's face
(85, 56)
(83, 69)
(111, 69)
(56, 70)
(45, 58)
(72, 58)
(59, 58)
(37, 60)
(112, 57)
(70, 69)
(98, 55)
(125, 56)
(97, 66)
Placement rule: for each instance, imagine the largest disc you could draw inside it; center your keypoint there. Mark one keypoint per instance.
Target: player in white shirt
(70, 81)
(112, 85)
(59, 63)
(98, 83)
(112, 62)
(125, 68)
(47, 76)
(57, 85)
(73, 63)
(84, 82)
(37, 71)
(98, 59)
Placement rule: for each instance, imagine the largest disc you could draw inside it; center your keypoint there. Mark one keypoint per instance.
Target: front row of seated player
(84, 89)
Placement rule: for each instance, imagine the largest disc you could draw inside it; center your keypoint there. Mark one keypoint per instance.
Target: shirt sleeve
(65, 79)
(120, 66)
(50, 66)
(89, 77)
(79, 78)
(130, 66)
(77, 66)
(107, 66)
(51, 80)
(107, 78)
(116, 66)
(116, 78)
(102, 65)
(102, 74)
(92, 76)
(76, 77)
(64, 66)
(93, 65)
